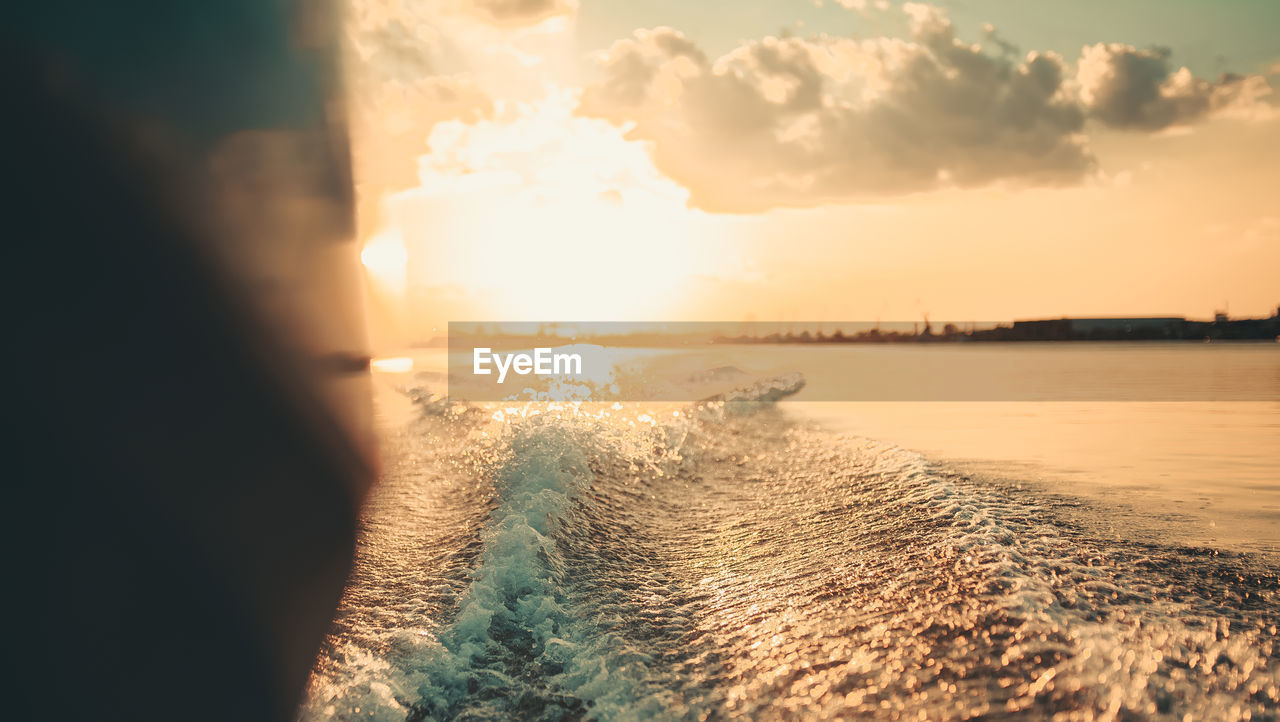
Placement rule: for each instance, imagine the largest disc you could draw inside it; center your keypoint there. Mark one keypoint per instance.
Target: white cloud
(792, 121)
(804, 121)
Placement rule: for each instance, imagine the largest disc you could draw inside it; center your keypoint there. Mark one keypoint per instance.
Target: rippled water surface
(1201, 473)
(712, 561)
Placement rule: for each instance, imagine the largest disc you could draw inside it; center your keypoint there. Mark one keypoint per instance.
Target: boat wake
(645, 561)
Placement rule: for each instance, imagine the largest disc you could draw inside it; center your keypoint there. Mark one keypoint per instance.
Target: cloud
(1125, 87)
(541, 150)
(520, 13)
(395, 50)
(396, 95)
(792, 121)
(861, 6)
(393, 121)
(805, 121)
(396, 86)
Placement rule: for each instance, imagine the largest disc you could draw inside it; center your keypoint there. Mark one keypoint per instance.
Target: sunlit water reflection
(685, 562)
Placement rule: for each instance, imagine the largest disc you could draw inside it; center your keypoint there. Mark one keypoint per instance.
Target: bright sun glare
(544, 215)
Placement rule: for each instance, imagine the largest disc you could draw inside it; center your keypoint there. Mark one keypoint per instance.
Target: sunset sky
(801, 160)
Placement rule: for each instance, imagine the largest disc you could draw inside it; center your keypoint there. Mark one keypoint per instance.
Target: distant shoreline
(683, 334)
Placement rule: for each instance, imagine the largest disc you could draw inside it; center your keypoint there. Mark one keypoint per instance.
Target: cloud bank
(803, 121)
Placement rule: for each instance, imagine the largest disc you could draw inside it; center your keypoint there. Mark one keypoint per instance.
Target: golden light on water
(392, 365)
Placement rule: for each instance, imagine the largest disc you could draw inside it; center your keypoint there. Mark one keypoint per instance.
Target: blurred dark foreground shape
(186, 400)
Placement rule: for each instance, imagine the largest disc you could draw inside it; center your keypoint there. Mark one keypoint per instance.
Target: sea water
(749, 558)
